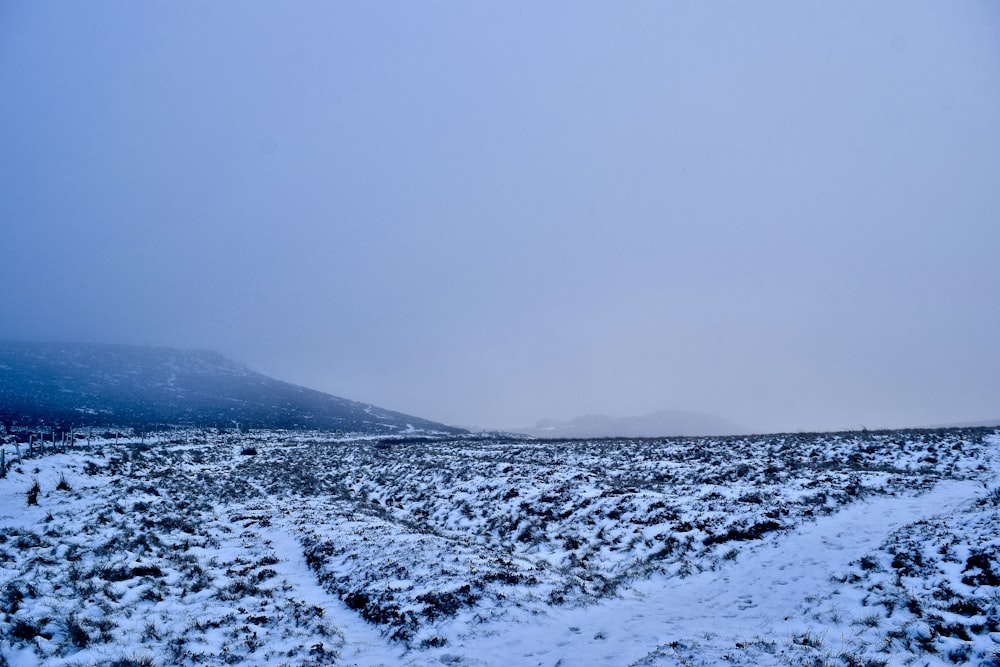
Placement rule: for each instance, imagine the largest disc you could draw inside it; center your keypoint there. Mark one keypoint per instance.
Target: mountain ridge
(71, 385)
(661, 423)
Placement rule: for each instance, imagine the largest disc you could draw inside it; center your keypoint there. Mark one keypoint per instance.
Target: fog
(786, 214)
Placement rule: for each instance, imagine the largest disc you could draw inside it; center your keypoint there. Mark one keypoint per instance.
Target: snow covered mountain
(66, 385)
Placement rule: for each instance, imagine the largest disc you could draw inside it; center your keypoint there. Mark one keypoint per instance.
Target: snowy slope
(270, 549)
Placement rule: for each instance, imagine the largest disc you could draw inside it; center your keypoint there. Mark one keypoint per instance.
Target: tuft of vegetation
(76, 633)
(33, 493)
(134, 660)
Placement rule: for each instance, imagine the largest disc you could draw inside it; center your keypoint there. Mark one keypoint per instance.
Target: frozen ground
(273, 549)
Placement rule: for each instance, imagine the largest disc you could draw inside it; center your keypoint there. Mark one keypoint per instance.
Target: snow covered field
(201, 548)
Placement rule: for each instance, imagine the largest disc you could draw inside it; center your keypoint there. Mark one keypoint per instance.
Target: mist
(486, 214)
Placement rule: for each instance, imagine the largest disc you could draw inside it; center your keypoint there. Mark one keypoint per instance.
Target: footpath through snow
(362, 646)
(768, 591)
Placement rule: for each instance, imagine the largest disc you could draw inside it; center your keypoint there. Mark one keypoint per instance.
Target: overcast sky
(786, 214)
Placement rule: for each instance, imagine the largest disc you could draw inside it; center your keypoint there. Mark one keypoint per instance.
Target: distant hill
(664, 423)
(974, 424)
(79, 385)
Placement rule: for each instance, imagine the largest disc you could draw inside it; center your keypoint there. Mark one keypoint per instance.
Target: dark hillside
(65, 385)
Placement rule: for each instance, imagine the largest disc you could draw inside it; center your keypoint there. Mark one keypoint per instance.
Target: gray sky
(486, 213)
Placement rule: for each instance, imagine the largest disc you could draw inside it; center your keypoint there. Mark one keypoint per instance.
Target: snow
(767, 592)
(776, 550)
(361, 644)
